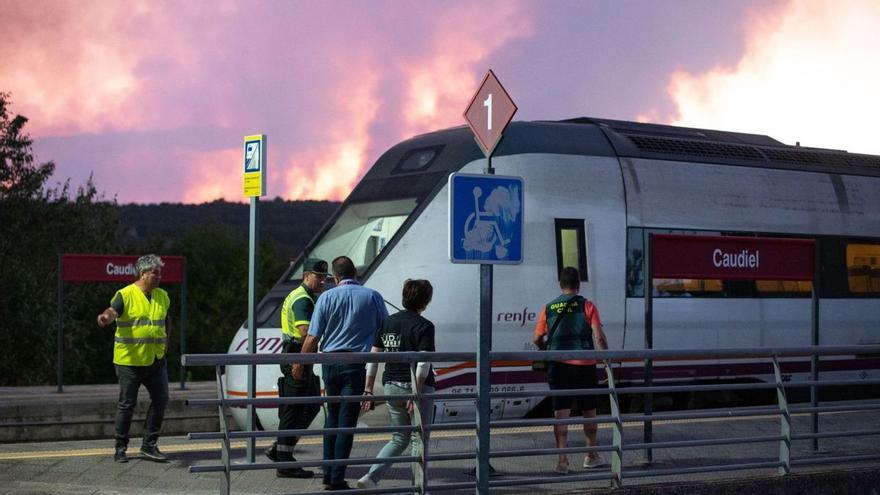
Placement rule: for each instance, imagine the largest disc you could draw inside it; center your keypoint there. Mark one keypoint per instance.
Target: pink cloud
(807, 75)
(325, 85)
(67, 70)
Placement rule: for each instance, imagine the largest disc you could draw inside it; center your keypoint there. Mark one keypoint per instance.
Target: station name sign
(732, 258)
(114, 268)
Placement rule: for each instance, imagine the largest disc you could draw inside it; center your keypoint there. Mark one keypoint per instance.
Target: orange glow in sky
(810, 74)
(154, 97)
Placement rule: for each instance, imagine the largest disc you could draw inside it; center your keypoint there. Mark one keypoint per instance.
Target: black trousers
(295, 416)
(155, 378)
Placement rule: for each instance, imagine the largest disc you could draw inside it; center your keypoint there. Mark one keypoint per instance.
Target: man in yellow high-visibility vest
(140, 311)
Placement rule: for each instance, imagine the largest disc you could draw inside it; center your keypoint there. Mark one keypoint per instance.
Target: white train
(592, 189)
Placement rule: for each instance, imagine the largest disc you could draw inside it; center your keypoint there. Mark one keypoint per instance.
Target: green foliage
(36, 224)
(39, 222)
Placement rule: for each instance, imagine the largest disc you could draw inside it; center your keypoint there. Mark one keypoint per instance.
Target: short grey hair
(148, 262)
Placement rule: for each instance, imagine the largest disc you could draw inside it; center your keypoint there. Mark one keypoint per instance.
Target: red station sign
(732, 258)
(114, 268)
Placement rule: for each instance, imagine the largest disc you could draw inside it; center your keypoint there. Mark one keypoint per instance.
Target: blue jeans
(155, 378)
(400, 439)
(341, 379)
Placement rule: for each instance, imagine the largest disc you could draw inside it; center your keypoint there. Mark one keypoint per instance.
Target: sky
(153, 98)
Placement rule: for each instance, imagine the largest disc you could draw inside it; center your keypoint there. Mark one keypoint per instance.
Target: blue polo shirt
(347, 317)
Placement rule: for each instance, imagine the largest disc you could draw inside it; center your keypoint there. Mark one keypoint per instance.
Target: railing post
(648, 426)
(814, 358)
(616, 432)
(785, 421)
(225, 453)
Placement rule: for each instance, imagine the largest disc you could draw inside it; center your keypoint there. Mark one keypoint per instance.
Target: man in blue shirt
(345, 319)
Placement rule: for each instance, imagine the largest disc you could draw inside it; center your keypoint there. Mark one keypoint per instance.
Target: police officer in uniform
(296, 313)
(140, 311)
(574, 324)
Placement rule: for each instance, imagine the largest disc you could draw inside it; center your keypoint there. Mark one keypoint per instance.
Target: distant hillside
(289, 224)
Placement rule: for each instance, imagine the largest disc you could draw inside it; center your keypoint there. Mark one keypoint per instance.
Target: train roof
(624, 139)
(665, 142)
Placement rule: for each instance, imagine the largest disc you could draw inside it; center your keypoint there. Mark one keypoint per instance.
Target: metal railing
(617, 473)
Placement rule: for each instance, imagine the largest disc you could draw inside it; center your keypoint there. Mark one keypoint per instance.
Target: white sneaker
(366, 482)
(592, 460)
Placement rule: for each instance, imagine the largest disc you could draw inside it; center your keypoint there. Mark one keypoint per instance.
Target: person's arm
(303, 330)
(540, 330)
(372, 370)
(107, 317)
(599, 337)
(423, 368)
(310, 345)
(167, 333)
(599, 340)
(311, 340)
(110, 314)
(381, 310)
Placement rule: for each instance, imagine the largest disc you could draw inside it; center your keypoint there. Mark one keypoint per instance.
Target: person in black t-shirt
(406, 331)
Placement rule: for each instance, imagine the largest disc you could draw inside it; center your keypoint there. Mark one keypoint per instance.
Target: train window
(635, 266)
(863, 268)
(571, 242)
(417, 160)
(783, 286)
(686, 287)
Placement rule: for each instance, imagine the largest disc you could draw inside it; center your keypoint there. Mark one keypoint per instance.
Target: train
(593, 189)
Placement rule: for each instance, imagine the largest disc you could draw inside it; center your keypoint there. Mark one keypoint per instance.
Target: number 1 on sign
(488, 104)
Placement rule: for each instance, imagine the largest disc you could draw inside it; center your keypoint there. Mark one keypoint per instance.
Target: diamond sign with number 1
(489, 112)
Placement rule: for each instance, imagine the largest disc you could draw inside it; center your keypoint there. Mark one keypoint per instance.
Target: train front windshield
(361, 232)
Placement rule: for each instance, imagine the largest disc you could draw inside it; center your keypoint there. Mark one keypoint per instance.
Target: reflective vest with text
(140, 329)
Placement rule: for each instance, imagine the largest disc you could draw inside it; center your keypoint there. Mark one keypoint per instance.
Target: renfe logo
(120, 269)
(743, 259)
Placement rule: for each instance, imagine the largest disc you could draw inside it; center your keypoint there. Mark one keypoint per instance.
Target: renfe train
(593, 189)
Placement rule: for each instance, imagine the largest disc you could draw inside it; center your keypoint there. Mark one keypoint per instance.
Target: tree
(216, 268)
(37, 223)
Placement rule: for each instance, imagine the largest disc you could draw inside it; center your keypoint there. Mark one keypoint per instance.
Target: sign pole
(60, 337)
(488, 114)
(254, 186)
(649, 341)
(183, 327)
(252, 324)
(484, 368)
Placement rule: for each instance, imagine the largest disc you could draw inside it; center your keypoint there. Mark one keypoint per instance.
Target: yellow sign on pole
(255, 165)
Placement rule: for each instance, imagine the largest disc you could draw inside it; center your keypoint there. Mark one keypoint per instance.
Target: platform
(87, 467)
(81, 412)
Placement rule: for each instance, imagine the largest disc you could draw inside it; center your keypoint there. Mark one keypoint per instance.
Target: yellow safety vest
(289, 329)
(140, 329)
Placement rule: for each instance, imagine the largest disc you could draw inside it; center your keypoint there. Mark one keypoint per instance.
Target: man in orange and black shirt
(574, 325)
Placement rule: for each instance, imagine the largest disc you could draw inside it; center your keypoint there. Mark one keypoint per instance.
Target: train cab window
(268, 313)
(361, 232)
(417, 160)
(863, 268)
(571, 246)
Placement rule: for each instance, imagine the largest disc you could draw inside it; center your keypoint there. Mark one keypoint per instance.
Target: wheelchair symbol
(481, 231)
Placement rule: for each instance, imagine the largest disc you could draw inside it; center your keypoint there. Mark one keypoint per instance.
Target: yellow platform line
(366, 438)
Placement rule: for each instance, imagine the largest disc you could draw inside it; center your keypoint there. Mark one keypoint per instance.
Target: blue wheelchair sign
(485, 219)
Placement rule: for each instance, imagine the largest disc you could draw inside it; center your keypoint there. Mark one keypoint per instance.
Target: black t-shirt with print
(405, 331)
